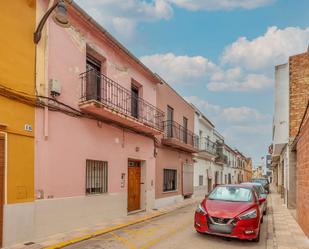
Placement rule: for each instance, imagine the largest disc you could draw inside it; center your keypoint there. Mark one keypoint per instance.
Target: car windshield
(231, 193)
(259, 189)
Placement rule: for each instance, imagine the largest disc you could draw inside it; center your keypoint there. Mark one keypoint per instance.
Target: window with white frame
(96, 177)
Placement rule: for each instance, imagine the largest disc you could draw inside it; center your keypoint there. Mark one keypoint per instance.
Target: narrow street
(174, 230)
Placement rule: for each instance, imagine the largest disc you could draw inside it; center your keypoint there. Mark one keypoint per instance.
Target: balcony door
(170, 118)
(185, 130)
(93, 83)
(134, 101)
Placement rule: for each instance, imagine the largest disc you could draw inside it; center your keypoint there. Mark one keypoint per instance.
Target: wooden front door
(2, 165)
(134, 186)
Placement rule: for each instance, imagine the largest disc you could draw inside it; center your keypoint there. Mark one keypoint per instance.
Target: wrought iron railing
(96, 86)
(207, 145)
(221, 158)
(174, 130)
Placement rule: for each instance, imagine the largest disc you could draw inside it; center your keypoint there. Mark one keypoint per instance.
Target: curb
(110, 229)
(103, 231)
(271, 234)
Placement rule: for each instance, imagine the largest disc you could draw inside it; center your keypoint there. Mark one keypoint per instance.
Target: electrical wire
(58, 106)
(295, 141)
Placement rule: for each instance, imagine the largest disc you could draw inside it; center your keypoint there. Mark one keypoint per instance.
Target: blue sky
(218, 54)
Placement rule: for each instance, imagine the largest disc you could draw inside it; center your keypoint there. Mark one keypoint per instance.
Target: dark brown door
(93, 84)
(170, 118)
(134, 101)
(185, 128)
(2, 163)
(134, 186)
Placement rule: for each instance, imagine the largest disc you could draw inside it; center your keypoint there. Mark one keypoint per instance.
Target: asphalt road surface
(171, 231)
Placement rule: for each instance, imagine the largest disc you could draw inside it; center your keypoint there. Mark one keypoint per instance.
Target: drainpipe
(46, 93)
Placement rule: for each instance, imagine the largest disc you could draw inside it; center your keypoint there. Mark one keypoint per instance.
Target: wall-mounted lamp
(60, 18)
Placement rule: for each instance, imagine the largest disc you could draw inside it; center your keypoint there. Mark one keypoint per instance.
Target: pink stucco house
(175, 148)
(97, 160)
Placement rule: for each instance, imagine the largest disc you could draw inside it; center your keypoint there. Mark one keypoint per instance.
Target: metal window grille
(96, 177)
(169, 180)
(200, 180)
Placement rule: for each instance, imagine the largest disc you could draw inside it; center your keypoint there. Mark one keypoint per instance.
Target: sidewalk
(63, 239)
(283, 230)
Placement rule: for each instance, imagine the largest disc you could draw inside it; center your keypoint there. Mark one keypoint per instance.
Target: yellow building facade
(17, 78)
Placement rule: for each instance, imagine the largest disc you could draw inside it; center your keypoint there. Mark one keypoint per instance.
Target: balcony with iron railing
(207, 148)
(106, 98)
(221, 158)
(177, 136)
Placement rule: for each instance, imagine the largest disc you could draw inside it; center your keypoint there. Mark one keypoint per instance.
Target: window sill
(89, 195)
(171, 191)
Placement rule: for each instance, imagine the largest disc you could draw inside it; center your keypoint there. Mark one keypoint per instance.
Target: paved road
(172, 231)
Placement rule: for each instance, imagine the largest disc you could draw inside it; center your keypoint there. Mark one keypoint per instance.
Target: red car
(231, 211)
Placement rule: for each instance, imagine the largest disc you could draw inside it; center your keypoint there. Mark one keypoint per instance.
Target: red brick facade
(299, 90)
(302, 202)
(299, 96)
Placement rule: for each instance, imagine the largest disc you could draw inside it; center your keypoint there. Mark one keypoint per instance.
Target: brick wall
(302, 202)
(299, 90)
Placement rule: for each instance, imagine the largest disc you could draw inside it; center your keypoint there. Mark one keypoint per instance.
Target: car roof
(253, 183)
(235, 185)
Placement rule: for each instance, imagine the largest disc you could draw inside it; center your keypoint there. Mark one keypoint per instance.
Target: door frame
(4, 134)
(5, 165)
(142, 184)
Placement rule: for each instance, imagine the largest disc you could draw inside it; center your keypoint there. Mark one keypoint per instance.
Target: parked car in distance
(264, 182)
(261, 192)
(230, 211)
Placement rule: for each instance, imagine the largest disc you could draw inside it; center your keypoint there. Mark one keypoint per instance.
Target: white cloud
(180, 69)
(122, 17)
(220, 4)
(268, 50)
(208, 108)
(241, 115)
(232, 115)
(246, 65)
(183, 69)
(246, 82)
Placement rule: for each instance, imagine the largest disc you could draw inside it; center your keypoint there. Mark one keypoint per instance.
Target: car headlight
(248, 215)
(201, 210)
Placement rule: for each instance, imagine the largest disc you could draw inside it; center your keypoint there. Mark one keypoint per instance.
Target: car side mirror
(262, 200)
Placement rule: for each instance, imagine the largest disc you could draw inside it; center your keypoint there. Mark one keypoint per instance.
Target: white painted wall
(46, 217)
(281, 107)
(167, 201)
(203, 166)
(18, 223)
